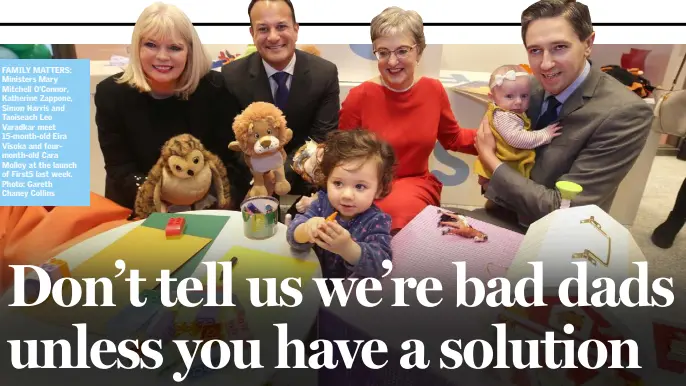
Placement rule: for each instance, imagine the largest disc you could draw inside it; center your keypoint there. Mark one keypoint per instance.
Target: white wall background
(481, 57)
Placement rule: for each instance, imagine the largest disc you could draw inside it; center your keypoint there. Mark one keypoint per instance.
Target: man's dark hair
(577, 15)
(288, 2)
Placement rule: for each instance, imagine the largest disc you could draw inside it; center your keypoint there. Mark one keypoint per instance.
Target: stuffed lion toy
(261, 134)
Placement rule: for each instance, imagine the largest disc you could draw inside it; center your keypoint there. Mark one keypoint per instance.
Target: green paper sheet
(196, 225)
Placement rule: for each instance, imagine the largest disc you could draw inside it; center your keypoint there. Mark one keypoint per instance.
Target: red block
(175, 226)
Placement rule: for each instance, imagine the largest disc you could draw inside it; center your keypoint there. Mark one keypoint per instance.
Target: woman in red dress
(408, 111)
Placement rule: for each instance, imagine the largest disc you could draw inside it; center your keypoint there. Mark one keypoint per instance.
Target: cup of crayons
(260, 216)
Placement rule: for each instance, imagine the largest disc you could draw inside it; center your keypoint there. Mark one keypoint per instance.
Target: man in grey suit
(304, 86)
(604, 124)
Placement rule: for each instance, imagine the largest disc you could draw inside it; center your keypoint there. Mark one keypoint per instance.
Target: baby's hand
(313, 226)
(334, 238)
(553, 129)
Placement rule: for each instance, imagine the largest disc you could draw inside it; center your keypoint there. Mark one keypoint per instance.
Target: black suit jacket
(133, 126)
(313, 101)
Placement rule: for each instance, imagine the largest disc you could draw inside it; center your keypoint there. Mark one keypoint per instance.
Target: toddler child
(350, 234)
(509, 99)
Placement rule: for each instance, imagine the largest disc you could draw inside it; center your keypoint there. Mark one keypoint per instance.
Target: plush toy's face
(263, 136)
(188, 166)
(260, 130)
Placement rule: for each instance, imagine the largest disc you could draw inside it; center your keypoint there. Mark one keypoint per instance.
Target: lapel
(300, 83)
(582, 93)
(259, 83)
(535, 103)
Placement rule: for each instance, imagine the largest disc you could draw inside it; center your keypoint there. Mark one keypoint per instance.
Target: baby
(349, 233)
(509, 99)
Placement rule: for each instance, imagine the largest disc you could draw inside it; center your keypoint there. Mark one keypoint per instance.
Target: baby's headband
(510, 75)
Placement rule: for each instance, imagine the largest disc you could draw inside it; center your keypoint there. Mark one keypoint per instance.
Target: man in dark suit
(304, 86)
(604, 124)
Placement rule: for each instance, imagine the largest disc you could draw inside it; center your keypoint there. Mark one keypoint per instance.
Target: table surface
(16, 325)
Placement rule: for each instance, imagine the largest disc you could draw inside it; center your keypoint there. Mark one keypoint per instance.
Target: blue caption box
(45, 132)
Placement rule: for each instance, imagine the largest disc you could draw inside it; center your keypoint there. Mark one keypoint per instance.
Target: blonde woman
(408, 111)
(167, 89)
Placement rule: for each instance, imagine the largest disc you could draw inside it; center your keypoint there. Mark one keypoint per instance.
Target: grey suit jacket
(313, 101)
(604, 129)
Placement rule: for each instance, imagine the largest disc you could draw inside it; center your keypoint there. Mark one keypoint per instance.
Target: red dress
(411, 121)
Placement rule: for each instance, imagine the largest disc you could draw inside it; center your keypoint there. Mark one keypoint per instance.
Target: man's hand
(485, 142)
(304, 203)
(334, 238)
(485, 145)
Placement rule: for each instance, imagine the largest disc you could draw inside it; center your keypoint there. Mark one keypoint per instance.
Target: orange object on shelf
(527, 68)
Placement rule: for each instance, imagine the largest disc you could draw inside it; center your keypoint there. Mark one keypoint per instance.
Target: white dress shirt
(271, 71)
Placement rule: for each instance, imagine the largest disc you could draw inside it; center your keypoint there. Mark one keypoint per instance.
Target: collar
(288, 69)
(564, 95)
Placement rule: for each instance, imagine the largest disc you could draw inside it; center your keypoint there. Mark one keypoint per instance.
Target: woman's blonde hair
(394, 20)
(161, 21)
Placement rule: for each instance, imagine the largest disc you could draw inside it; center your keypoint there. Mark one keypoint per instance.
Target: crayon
(253, 208)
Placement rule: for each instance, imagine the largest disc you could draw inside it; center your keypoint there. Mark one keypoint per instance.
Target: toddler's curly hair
(357, 144)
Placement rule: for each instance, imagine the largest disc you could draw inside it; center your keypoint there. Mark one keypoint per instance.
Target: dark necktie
(281, 95)
(550, 114)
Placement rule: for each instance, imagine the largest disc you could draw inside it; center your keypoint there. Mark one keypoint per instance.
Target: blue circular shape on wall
(6, 53)
(365, 51)
(459, 166)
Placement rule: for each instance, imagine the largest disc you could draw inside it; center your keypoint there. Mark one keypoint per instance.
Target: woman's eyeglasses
(400, 52)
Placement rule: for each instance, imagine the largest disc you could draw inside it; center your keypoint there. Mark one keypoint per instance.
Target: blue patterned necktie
(281, 95)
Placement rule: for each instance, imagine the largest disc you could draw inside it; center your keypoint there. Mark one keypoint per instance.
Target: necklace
(393, 89)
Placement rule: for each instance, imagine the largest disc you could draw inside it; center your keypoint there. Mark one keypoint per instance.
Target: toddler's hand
(313, 226)
(554, 129)
(334, 238)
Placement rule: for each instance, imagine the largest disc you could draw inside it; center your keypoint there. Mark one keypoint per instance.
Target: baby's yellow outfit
(521, 160)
